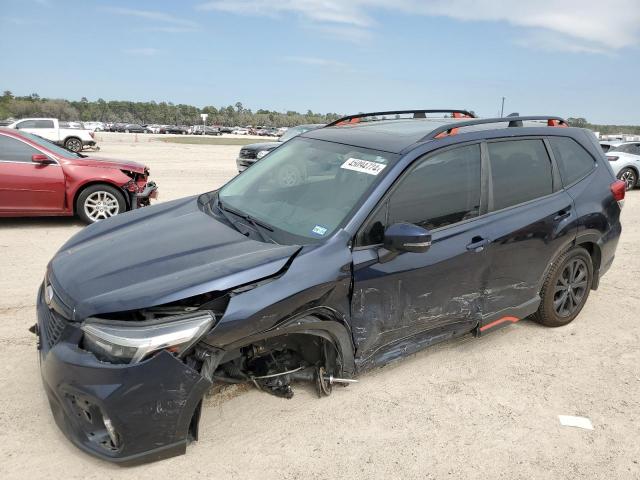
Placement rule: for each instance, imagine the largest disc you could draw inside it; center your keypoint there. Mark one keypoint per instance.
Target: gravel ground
(472, 408)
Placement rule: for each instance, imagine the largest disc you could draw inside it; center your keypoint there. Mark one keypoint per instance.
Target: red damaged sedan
(39, 178)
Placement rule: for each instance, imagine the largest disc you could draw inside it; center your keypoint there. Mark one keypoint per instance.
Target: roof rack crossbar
(448, 129)
(349, 118)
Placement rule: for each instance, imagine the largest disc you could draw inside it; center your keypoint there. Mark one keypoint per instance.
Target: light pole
(502, 108)
(204, 122)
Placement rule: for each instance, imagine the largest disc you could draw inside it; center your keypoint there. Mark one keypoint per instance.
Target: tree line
(604, 129)
(164, 113)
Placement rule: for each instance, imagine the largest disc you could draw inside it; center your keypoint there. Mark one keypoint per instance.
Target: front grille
(53, 325)
(246, 153)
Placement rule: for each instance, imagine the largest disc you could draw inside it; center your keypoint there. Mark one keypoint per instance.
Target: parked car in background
(151, 128)
(94, 126)
(224, 129)
(114, 127)
(249, 154)
(608, 145)
(347, 248)
(624, 158)
(39, 178)
(175, 129)
(134, 128)
(240, 131)
(205, 130)
(73, 139)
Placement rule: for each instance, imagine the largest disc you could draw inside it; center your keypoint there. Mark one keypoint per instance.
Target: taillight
(618, 189)
(611, 158)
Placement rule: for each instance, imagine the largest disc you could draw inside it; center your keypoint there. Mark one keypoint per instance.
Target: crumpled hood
(109, 163)
(157, 255)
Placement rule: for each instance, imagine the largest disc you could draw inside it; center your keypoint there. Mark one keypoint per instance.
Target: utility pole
(502, 108)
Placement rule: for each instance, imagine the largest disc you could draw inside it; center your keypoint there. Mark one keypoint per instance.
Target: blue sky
(569, 57)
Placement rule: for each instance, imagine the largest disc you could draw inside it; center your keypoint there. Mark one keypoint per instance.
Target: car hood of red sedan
(109, 163)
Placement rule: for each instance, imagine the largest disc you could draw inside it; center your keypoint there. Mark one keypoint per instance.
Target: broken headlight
(130, 342)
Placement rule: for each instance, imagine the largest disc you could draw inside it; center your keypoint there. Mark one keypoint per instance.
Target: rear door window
(520, 171)
(43, 123)
(573, 161)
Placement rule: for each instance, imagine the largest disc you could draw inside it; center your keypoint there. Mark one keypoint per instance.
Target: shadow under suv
(347, 247)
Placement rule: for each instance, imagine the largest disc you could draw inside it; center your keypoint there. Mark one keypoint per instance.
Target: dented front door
(416, 295)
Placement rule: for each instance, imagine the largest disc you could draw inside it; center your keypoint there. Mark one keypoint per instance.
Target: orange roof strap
(556, 123)
(461, 115)
(452, 131)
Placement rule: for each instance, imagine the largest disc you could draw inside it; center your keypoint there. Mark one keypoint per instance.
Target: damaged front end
(127, 387)
(139, 189)
(126, 390)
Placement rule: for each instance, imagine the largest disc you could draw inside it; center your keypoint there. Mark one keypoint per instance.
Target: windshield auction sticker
(363, 166)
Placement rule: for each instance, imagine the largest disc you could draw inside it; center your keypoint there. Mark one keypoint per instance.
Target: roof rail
(416, 114)
(452, 128)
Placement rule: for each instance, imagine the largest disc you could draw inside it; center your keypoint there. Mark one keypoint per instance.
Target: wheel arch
(320, 323)
(70, 137)
(631, 166)
(591, 246)
(91, 183)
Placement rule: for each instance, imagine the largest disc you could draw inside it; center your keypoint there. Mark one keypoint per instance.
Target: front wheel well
(285, 351)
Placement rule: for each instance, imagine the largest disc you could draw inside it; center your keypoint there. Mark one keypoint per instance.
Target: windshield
(295, 131)
(306, 188)
(51, 146)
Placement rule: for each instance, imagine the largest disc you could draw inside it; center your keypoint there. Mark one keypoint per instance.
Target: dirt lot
(475, 408)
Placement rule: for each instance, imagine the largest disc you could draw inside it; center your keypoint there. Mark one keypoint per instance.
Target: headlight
(131, 342)
(262, 153)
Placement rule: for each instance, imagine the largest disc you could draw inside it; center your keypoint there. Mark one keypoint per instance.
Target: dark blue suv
(345, 248)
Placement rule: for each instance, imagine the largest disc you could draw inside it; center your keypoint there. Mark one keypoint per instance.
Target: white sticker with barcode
(363, 166)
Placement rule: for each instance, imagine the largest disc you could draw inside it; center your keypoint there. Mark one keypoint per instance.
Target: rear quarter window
(574, 162)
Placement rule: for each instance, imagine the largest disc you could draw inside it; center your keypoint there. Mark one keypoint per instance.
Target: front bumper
(244, 163)
(151, 405)
(142, 198)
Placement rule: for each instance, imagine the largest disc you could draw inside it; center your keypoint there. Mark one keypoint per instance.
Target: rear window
(633, 148)
(573, 161)
(520, 171)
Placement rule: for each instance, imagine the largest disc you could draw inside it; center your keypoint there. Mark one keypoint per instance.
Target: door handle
(477, 244)
(562, 214)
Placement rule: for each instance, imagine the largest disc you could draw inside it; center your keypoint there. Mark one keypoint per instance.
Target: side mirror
(406, 237)
(40, 158)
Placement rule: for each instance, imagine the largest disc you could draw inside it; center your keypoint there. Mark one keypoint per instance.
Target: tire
(73, 144)
(566, 289)
(98, 202)
(629, 177)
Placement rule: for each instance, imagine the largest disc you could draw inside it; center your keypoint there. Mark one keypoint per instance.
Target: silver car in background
(625, 161)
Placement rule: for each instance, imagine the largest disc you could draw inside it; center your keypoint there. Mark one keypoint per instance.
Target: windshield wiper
(256, 224)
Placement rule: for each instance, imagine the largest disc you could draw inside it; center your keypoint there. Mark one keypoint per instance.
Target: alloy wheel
(629, 178)
(74, 145)
(100, 205)
(571, 287)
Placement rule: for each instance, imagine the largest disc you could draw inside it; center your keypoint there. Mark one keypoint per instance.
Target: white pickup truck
(74, 139)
